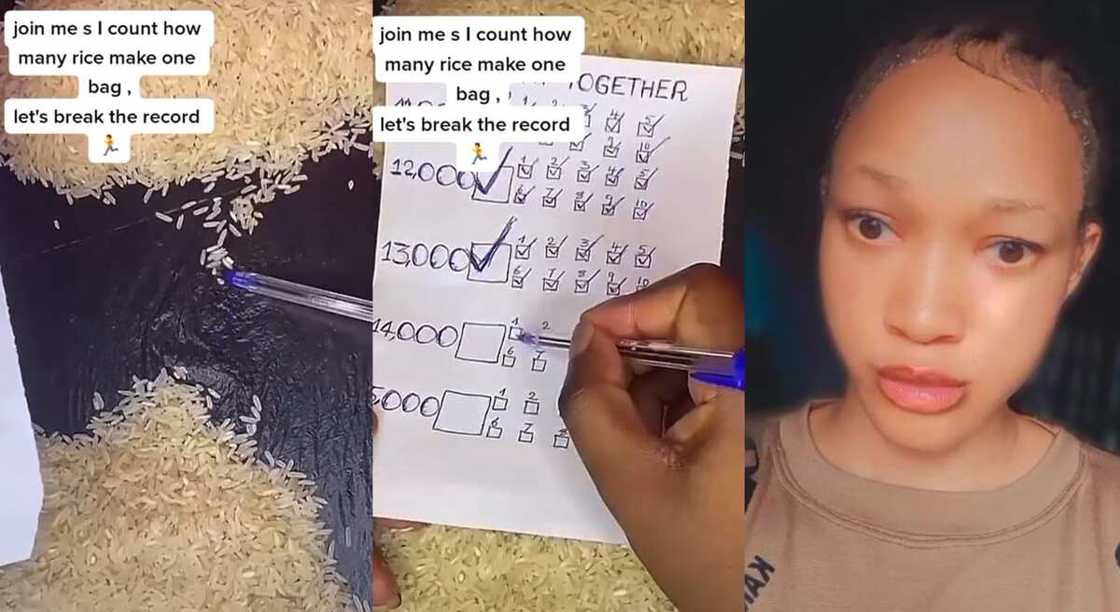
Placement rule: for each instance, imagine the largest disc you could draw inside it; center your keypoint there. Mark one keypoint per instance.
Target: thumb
(611, 435)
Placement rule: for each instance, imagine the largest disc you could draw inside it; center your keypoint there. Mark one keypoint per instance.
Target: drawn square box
(493, 432)
(614, 288)
(515, 332)
(583, 253)
(525, 435)
(642, 183)
(642, 156)
(561, 439)
(577, 146)
(462, 413)
(608, 209)
(613, 124)
(583, 285)
(643, 260)
(550, 284)
(481, 342)
(553, 173)
(532, 406)
(614, 258)
(549, 200)
(500, 403)
(538, 364)
(518, 282)
(552, 251)
(524, 171)
(612, 180)
(583, 176)
(645, 128)
(611, 151)
(497, 271)
(508, 361)
(580, 205)
(521, 251)
(496, 189)
(520, 196)
(641, 212)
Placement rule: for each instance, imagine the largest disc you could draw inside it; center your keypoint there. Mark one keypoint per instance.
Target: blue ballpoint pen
(721, 368)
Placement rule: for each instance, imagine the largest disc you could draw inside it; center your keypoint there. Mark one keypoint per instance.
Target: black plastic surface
(116, 292)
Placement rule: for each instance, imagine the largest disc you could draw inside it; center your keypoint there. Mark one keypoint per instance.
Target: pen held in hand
(722, 368)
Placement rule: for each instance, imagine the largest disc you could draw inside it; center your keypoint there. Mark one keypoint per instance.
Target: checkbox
(614, 288)
(608, 210)
(576, 146)
(642, 156)
(525, 436)
(500, 403)
(609, 151)
(519, 198)
(508, 361)
(583, 285)
(521, 251)
(494, 432)
(515, 332)
(548, 201)
(583, 176)
(538, 364)
(612, 180)
(518, 282)
(580, 206)
(561, 440)
(642, 183)
(642, 260)
(552, 251)
(645, 129)
(551, 284)
(532, 407)
(524, 171)
(613, 125)
(640, 214)
(553, 173)
(615, 258)
(583, 254)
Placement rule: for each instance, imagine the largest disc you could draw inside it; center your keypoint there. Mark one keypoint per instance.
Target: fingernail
(581, 338)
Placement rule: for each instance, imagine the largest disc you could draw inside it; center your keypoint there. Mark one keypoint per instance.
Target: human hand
(665, 452)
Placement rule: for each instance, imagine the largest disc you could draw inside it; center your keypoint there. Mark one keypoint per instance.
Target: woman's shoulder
(1103, 467)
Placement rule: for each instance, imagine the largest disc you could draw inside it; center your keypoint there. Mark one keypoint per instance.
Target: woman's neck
(1003, 449)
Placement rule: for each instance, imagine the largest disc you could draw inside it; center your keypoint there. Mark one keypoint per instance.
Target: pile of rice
(290, 81)
(160, 509)
(685, 31)
(468, 570)
(443, 568)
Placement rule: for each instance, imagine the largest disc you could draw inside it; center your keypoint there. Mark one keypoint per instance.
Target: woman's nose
(925, 303)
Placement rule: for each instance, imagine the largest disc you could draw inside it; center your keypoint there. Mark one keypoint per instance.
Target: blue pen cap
(735, 378)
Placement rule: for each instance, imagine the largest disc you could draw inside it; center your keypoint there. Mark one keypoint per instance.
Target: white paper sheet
(469, 432)
(21, 488)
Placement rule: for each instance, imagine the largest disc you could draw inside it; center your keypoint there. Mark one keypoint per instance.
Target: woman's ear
(1087, 245)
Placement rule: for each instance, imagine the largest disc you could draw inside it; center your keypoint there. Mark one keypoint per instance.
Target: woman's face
(950, 242)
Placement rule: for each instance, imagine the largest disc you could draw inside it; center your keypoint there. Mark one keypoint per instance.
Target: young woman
(958, 218)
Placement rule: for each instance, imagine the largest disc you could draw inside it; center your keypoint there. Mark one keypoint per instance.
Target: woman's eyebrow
(1015, 205)
(886, 178)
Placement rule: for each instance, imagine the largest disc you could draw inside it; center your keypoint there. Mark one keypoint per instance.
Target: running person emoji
(477, 148)
(109, 148)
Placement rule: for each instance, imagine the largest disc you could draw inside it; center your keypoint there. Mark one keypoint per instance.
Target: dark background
(116, 292)
(801, 62)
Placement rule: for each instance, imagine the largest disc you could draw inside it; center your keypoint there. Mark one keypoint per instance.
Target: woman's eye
(869, 227)
(1012, 252)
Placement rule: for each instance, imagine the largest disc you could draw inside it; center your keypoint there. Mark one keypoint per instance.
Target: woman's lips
(920, 389)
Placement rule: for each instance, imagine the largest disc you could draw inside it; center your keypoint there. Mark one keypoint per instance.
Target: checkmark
(522, 251)
(524, 171)
(612, 181)
(615, 257)
(493, 177)
(583, 254)
(642, 157)
(640, 214)
(553, 172)
(485, 261)
(609, 151)
(645, 128)
(519, 197)
(578, 145)
(551, 284)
